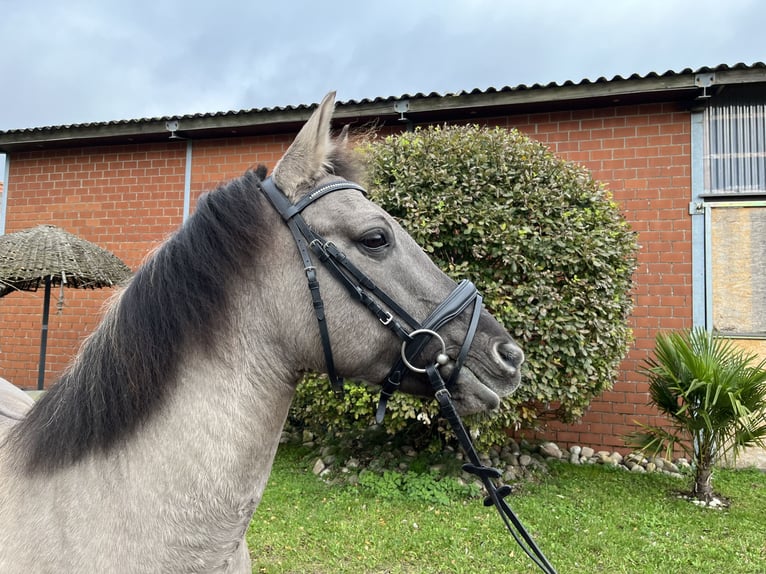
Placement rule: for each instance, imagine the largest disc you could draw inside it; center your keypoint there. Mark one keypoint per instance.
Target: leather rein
(414, 340)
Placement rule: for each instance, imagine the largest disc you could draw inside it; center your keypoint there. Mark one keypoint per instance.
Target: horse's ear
(303, 162)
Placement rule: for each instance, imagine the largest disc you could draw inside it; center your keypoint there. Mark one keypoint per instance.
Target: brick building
(684, 154)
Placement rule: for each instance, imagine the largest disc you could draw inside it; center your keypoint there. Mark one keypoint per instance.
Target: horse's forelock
(343, 162)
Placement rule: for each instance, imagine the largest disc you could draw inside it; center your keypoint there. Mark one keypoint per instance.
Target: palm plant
(715, 396)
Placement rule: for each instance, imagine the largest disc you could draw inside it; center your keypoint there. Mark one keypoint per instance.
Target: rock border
(633, 462)
(517, 460)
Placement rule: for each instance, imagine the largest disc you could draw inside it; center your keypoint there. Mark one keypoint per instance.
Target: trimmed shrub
(545, 244)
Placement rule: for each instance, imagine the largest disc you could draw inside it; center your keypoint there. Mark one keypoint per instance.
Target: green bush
(545, 244)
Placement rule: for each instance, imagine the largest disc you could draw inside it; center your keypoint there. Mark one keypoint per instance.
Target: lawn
(586, 519)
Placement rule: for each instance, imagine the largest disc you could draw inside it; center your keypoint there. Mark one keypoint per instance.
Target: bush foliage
(544, 243)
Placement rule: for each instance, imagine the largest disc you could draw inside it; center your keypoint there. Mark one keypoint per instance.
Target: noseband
(414, 341)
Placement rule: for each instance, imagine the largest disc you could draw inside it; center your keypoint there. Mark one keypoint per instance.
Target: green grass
(587, 519)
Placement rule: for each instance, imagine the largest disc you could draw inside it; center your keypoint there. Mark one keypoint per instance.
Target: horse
(152, 450)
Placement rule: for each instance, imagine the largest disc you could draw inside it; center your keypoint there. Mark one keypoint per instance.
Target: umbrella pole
(44, 335)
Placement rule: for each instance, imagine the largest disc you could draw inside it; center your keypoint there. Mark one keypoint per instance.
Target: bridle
(414, 340)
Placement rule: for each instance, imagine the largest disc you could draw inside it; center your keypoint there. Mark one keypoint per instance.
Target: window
(737, 268)
(735, 147)
(734, 163)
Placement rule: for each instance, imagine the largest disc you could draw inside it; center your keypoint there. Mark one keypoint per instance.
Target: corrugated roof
(218, 122)
(134, 121)
(584, 82)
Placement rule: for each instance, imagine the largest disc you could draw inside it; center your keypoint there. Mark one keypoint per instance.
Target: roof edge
(671, 85)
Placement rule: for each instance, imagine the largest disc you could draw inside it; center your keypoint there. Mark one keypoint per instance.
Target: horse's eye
(374, 240)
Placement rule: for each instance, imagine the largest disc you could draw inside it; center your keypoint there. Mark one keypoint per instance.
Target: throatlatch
(363, 289)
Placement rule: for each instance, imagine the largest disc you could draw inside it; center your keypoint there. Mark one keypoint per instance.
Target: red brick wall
(216, 161)
(642, 153)
(128, 198)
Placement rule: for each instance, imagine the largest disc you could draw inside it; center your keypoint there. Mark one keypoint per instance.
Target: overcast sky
(75, 61)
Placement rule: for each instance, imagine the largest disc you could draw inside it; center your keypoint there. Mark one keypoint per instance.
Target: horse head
(375, 244)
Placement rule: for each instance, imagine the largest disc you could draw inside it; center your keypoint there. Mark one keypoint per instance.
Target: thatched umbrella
(48, 255)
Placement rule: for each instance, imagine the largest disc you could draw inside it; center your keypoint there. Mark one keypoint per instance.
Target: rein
(414, 341)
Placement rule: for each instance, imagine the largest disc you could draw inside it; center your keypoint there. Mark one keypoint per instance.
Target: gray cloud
(84, 61)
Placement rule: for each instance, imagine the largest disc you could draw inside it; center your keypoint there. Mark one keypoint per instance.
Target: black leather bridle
(414, 341)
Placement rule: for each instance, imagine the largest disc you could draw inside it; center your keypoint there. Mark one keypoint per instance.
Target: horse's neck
(219, 418)
(219, 430)
(203, 463)
(175, 495)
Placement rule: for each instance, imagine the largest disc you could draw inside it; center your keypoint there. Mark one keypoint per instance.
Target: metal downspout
(4, 196)
(187, 180)
(697, 213)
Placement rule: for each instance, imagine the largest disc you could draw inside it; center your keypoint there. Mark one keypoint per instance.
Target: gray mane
(178, 298)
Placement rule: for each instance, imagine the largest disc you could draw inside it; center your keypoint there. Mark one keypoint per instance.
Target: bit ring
(441, 358)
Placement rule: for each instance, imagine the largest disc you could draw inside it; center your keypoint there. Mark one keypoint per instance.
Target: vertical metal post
(187, 181)
(697, 213)
(44, 335)
(4, 195)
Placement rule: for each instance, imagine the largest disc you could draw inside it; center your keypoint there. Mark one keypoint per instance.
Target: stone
(550, 450)
(638, 468)
(587, 452)
(327, 450)
(575, 449)
(525, 459)
(319, 466)
(616, 456)
(574, 458)
(525, 445)
(650, 467)
(308, 436)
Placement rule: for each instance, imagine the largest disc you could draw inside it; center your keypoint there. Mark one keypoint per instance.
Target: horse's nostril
(510, 353)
